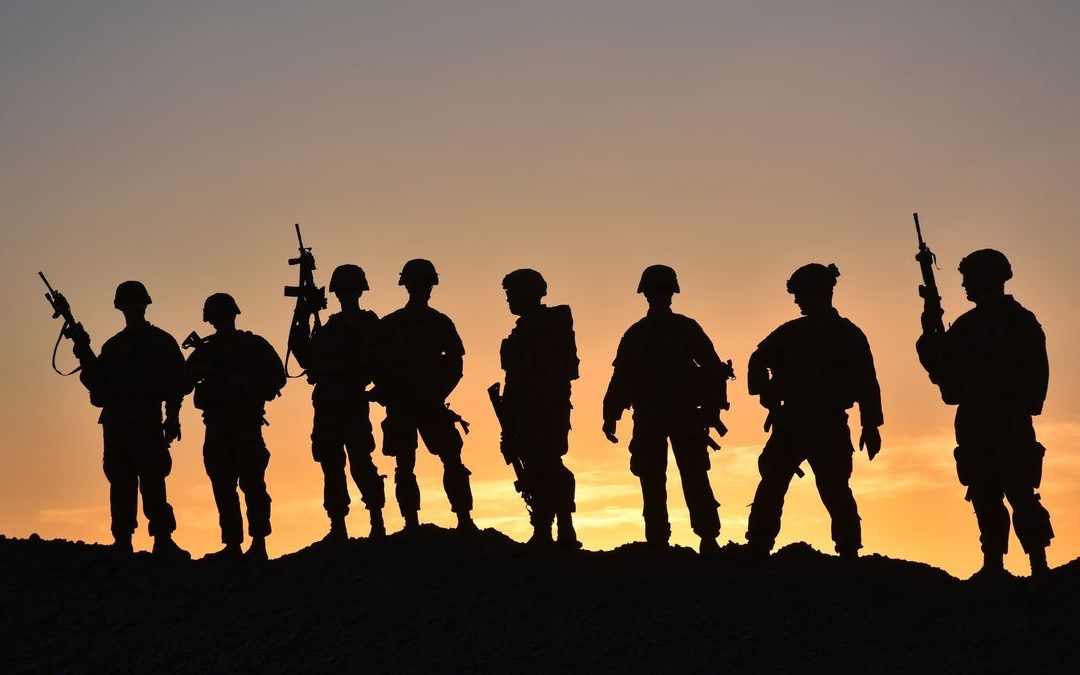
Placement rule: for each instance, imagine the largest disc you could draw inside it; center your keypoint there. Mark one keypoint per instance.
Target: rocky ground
(438, 602)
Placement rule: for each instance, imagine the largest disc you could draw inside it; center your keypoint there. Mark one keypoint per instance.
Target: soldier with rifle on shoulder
(540, 360)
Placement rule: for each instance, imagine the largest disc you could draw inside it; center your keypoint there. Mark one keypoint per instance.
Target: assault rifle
(928, 291)
(505, 446)
(70, 329)
(192, 341)
(310, 299)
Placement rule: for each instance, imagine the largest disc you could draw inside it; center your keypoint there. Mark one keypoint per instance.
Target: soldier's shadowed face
(418, 292)
(813, 301)
(980, 288)
(521, 303)
(222, 323)
(659, 299)
(348, 297)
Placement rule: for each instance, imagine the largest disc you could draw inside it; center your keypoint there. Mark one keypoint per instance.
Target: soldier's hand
(871, 440)
(171, 429)
(609, 430)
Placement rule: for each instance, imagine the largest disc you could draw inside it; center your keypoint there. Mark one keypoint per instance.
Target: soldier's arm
(271, 370)
(453, 360)
(301, 339)
(617, 397)
(174, 376)
(758, 379)
(867, 389)
(94, 374)
(1033, 368)
(714, 371)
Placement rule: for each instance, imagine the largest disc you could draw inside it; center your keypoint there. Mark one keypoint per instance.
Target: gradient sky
(735, 141)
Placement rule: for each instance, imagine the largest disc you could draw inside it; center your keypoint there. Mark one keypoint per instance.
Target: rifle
(310, 299)
(192, 341)
(928, 291)
(727, 372)
(520, 482)
(70, 329)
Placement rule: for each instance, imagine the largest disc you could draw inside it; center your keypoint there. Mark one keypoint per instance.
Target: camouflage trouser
(137, 460)
(436, 427)
(998, 458)
(539, 438)
(236, 454)
(826, 443)
(338, 430)
(648, 461)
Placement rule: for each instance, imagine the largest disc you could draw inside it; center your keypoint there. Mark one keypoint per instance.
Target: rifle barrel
(47, 284)
(918, 230)
(298, 237)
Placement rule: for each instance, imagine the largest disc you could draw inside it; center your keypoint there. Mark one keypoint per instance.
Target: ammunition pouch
(1033, 464)
(969, 467)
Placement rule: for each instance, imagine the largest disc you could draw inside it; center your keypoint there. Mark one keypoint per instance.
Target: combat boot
(755, 552)
(122, 544)
(338, 533)
(167, 549)
(412, 522)
(993, 568)
(230, 552)
(1039, 568)
(465, 523)
(257, 550)
(567, 535)
(378, 528)
(541, 535)
(848, 553)
(709, 548)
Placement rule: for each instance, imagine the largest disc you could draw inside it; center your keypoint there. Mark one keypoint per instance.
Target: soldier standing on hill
(139, 369)
(540, 360)
(667, 370)
(419, 363)
(992, 365)
(338, 358)
(808, 373)
(234, 373)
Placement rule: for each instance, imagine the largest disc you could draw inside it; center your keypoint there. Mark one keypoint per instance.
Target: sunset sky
(735, 141)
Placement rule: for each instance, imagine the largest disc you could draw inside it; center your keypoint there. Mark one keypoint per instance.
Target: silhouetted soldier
(667, 370)
(234, 373)
(419, 364)
(139, 369)
(992, 365)
(808, 373)
(338, 357)
(540, 360)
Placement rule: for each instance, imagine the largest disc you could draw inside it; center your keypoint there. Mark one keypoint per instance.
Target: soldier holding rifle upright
(138, 370)
(338, 358)
(991, 364)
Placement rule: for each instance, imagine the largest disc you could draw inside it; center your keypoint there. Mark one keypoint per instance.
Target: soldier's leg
(154, 464)
(443, 439)
(777, 466)
(123, 477)
(220, 460)
(832, 464)
(400, 442)
(692, 458)
(988, 499)
(253, 460)
(360, 444)
(327, 448)
(1030, 518)
(648, 461)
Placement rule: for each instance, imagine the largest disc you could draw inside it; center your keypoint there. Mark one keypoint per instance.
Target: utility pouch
(966, 466)
(1034, 465)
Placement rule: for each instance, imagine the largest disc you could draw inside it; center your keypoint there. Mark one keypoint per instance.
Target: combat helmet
(219, 305)
(348, 277)
(131, 293)
(418, 271)
(658, 278)
(813, 277)
(988, 264)
(527, 281)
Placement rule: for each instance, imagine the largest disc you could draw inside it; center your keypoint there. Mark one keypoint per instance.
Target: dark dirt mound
(438, 601)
